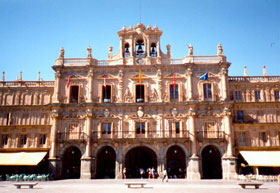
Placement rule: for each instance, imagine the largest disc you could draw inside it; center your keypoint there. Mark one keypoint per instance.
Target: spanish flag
(139, 78)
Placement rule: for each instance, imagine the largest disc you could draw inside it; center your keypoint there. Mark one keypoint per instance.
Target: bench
(19, 185)
(256, 184)
(141, 184)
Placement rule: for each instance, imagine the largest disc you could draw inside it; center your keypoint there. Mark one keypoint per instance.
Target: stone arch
(71, 162)
(106, 162)
(62, 150)
(101, 146)
(184, 148)
(221, 150)
(140, 145)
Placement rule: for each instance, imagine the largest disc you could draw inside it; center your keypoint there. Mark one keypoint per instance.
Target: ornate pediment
(74, 114)
(107, 77)
(143, 77)
(171, 75)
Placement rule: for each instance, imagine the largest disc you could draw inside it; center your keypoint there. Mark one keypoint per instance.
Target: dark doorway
(106, 163)
(140, 89)
(71, 163)
(176, 162)
(211, 163)
(137, 158)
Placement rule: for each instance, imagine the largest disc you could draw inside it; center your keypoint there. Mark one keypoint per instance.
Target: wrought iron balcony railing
(204, 134)
(71, 136)
(147, 134)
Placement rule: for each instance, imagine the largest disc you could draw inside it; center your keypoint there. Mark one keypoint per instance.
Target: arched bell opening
(140, 49)
(153, 51)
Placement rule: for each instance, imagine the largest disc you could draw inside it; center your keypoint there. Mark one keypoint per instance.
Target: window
(207, 92)
(140, 127)
(240, 116)
(276, 95)
(4, 140)
(242, 139)
(42, 139)
(23, 139)
(153, 50)
(8, 118)
(140, 53)
(173, 88)
(106, 94)
(257, 95)
(238, 95)
(74, 94)
(126, 53)
(140, 93)
(106, 128)
(177, 127)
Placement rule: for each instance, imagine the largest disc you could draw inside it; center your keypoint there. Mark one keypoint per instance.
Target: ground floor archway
(71, 163)
(176, 162)
(137, 158)
(106, 163)
(211, 163)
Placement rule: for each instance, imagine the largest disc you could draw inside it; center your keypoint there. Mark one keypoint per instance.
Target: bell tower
(140, 45)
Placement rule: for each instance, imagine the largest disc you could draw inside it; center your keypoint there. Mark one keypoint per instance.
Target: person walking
(165, 175)
(124, 173)
(278, 180)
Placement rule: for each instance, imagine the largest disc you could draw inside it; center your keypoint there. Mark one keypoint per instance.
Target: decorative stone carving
(106, 113)
(89, 52)
(174, 112)
(140, 112)
(154, 96)
(61, 53)
(127, 96)
(190, 50)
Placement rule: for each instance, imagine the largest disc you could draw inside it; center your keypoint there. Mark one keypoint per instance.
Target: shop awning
(262, 158)
(21, 158)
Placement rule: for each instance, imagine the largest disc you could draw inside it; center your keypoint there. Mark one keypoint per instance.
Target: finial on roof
(264, 71)
(190, 50)
(124, 28)
(156, 27)
(245, 71)
(39, 78)
(61, 54)
(89, 52)
(20, 75)
(220, 49)
(3, 76)
(149, 27)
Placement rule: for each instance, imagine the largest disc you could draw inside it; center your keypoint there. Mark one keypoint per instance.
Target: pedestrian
(278, 179)
(142, 172)
(153, 172)
(124, 173)
(165, 175)
(149, 173)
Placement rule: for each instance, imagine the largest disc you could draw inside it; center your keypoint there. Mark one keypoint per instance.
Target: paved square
(153, 186)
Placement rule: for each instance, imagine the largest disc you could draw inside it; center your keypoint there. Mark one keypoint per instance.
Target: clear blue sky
(33, 31)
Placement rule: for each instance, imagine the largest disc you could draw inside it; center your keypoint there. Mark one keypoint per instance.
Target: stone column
(57, 87)
(90, 91)
(193, 162)
(119, 161)
(189, 84)
(55, 165)
(161, 161)
(223, 74)
(86, 159)
(120, 90)
(159, 81)
(228, 160)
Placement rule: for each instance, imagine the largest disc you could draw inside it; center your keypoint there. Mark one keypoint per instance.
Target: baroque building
(140, 109)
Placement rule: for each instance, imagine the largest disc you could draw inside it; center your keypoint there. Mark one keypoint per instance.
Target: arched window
(153, 50)
(140, 53)
(126, 52)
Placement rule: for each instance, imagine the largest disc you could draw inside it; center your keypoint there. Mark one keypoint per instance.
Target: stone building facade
(141, 109)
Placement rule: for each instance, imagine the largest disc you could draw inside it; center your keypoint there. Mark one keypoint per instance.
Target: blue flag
(204, 76)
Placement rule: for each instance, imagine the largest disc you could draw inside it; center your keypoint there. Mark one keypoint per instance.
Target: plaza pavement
(153, 186)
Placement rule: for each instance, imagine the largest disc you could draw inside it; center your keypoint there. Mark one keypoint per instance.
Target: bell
(140, 49)
(126, 50)
(153, 50)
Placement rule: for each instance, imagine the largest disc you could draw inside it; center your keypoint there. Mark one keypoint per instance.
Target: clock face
(139, 61)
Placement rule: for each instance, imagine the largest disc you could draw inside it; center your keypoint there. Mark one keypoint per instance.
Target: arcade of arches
(175, 160)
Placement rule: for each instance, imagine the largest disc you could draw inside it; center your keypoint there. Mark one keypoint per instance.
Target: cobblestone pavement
(153, 186)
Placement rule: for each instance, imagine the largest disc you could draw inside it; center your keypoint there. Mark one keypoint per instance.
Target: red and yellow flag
(68, 82)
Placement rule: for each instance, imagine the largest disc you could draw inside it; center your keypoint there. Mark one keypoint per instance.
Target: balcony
(132, 135)
(214, 135)
(68, 137)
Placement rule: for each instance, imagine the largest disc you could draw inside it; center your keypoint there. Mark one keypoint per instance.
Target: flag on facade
(104, 84)
(174, 80)
(139, 78)
(68, 82)
(204, 76)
